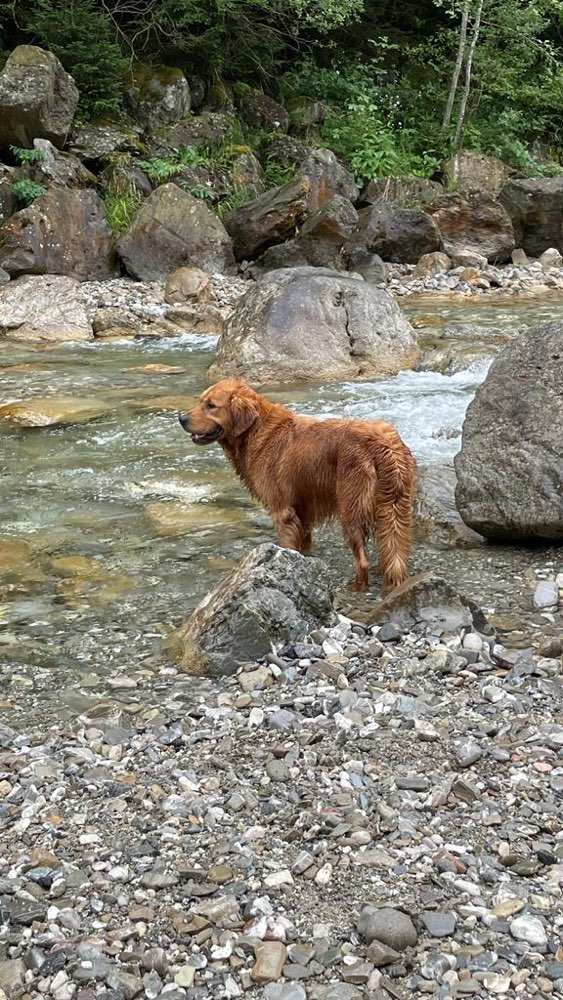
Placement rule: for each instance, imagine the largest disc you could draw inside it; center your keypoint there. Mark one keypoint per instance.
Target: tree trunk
(457, 68)
(468, 68)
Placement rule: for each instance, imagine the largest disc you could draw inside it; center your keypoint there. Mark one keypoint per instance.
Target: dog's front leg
(289, 528)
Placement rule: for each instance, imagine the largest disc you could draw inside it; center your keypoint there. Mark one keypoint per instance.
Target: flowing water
(124, 524)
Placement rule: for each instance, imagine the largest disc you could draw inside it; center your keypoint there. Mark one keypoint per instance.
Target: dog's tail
(396, 485)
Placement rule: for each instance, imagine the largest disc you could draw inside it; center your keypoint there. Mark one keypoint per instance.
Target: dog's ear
(244, 412)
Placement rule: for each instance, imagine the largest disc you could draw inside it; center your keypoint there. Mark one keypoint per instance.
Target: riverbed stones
(510, 467)
(389, 926)
(37, 98)
(273, 594)
(52, 411)
(299, 324)
(173, 229)
(44, 308)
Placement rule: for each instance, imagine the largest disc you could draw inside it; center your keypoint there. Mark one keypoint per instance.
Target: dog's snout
(184, 420)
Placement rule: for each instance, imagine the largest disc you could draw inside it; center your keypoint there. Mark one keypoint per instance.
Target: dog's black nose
(183, 418)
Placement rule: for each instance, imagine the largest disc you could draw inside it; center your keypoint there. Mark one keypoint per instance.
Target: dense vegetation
(403, 83)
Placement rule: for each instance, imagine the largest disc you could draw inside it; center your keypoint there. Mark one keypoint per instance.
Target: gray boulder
(406, 192)
(271, 218)
(472, 171)
(398, 235)
(436, 518)
(62, 232)
(327, 177)
(37, 98)
(273, 595)
(312, 324)
(259, 111)
(535, 207)
(44, 308)
(319, 242)
(510, 467)
(475, 223)
(158, 95)
(173, 229)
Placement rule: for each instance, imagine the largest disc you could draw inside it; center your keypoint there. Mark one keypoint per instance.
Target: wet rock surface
(379, 817)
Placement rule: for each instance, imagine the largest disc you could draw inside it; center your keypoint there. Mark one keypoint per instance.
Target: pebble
(383, 823)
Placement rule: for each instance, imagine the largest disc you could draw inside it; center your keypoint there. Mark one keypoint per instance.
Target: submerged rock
(52, 411)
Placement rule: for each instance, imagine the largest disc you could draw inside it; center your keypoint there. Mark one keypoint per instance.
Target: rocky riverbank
(373, 811)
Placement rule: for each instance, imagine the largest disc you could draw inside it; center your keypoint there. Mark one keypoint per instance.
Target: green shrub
(27, 157)
(25, 191)
(82, 37)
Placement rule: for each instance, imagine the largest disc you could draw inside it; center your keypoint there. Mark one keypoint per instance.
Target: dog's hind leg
(355, 538)
(393, 530)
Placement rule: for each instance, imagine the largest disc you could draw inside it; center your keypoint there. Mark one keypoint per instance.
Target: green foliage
(25, 191)
(236, 39)
(27, 157)
(121, 207)
(84, 39)
(275, 173)
(199, 191)
(238, 196)
(371, 145)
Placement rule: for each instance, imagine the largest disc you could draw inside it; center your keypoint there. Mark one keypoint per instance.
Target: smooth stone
(439, 924)
(271, 957)
(387, 925)
(530, 929)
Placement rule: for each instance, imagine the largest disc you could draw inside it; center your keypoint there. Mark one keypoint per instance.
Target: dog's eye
(209, 405)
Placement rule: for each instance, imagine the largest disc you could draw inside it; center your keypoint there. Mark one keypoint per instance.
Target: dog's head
(226, 411)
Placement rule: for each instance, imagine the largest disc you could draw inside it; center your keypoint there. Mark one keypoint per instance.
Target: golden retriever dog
(306, 471)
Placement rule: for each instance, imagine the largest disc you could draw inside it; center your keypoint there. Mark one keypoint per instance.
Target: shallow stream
(122, 524)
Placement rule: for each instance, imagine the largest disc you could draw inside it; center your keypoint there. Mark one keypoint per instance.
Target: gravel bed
(374, 812)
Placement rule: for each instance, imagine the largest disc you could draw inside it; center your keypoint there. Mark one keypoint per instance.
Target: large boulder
(260, 112)
(273, 595)
(436, 518)
(271, 218)
(510, 467)
(62, 232)
(44, 308)
(173, 229)
(398, 235)
(60, 169)
(312, 324)
(95, 143)
(327, 177)
(196, 130)
(37, 98)
(320, 240)
(535, 207)
(158, 95)
(473, 222)
(407, 192)
(472, 171)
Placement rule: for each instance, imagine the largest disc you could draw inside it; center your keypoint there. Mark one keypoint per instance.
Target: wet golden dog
(306, 471)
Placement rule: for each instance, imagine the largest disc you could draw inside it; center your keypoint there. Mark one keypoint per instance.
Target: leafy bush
(25, 191)
(27, 157)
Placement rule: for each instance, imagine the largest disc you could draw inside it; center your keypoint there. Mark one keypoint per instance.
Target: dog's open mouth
(208, 438)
